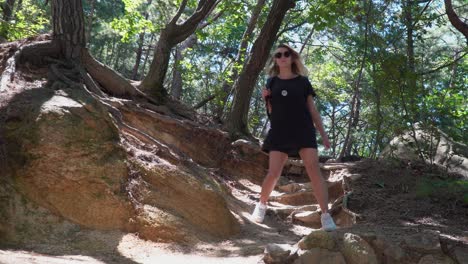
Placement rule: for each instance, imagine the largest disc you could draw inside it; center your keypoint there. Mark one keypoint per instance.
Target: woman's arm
(266, 95)
(317, 120)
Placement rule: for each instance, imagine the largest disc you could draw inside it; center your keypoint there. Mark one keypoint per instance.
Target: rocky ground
(388, 222)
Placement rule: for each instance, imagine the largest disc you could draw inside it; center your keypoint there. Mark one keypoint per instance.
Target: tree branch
(443, 65)
(455, 20)
(179, 12)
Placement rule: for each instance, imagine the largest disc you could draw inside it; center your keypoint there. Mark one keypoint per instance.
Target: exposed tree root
(111, 81)
(342, 204)
(9, 71)
(36, 52)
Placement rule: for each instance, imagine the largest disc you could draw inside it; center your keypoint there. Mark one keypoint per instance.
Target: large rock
(320, 255)
(67, 158)
(425, 242)
(389, 252)
(318, 239)
(357, 251)
(442, 149)
(278, 254)
(245, 160)
(178, 203)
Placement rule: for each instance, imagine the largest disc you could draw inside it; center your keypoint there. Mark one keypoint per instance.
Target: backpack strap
(269, 85)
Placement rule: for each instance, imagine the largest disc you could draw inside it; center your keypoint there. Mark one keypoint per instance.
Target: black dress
(292, 127)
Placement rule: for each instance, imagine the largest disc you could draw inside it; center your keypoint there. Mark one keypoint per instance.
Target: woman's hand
(326, 142)
(265, 93)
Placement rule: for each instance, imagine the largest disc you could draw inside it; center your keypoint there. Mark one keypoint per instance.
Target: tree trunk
(176, 88)
(240, 58)
(148, 51)
(455, 20)
(141, 40)
(69, 27)
(356, 100)
(243, 87)
(378, 105)
(112, 52)
(170, 36)
(306, 41)
(139, 53)
(411, 77)
(7, 14)
(8, 10)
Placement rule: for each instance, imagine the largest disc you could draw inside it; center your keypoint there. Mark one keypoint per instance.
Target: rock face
(65, 157)
(441, 149)
(68, 163)
(176, 204)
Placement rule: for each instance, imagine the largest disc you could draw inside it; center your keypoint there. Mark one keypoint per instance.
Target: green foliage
(30, 20)
(132, 22)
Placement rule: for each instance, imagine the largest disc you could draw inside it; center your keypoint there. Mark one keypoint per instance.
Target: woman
(294, 120)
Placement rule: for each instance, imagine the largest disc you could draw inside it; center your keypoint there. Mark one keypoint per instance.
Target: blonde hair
(297, 66)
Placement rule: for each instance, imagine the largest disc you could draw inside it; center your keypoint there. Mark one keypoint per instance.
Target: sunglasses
(286, 54)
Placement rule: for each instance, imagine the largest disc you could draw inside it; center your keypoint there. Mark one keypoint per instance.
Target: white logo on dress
(284, 92)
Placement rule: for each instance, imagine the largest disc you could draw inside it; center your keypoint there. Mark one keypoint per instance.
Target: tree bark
(170, 36)
(411, 77)
(455, 20)
(139, 53)
(69, 27)
(356, 100)
(8, 10)
(141, 40)
(111, 81)
(176, 88)
(148, 50)
(240, 58)
(243, 86)
(7, 14)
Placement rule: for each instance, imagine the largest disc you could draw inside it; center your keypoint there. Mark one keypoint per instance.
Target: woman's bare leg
(311, 163)
(277, 160)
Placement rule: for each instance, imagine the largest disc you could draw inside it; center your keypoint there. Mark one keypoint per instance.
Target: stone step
(303, 197)
(308, 218)
(335, 189)
(285, 211)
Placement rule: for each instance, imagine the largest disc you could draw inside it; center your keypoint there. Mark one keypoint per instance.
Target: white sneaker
(259, 213)
(327, 222)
